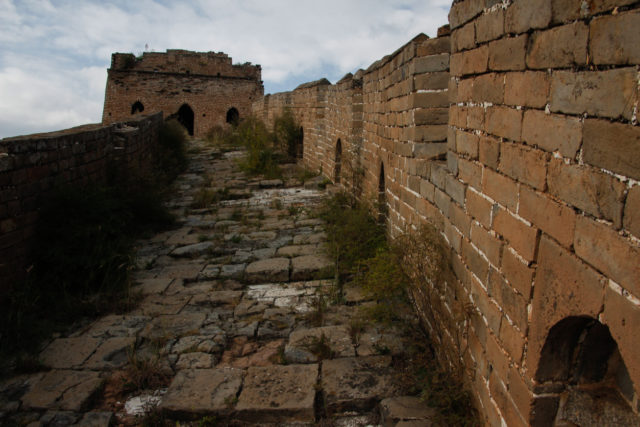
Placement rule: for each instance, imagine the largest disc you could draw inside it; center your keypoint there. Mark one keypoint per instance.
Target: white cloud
(55, 54)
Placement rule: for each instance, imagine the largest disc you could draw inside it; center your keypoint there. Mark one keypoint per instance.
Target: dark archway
(233, 116)
(338, 162)
(382, 196)
(137, 107)
(582, 378)
(185, 117)
(300, 145)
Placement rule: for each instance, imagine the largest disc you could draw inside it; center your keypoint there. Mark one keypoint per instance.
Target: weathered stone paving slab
(407, 409)
(203, 391)
(310, 267)
(278, 394)
(174, 325)
(268, 270)
(309, 345)
(357, 383)
(62, 389)
(111, 354)
(66, 353)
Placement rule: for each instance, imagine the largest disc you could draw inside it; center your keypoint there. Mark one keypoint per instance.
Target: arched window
(185, 117)
(382, 197)
(233, 116)
(338, 162)
(137, 107)
(586, 379)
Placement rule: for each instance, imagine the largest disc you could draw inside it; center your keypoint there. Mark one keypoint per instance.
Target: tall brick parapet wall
(516, 136)
(33, 166)
(198, 87)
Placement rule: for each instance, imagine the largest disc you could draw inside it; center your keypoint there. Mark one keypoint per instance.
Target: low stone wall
(516, 136)
(33, 166)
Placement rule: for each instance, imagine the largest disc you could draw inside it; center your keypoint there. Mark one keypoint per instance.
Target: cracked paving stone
(154, 305)
(405, 408)
(202, 391)
(297, 250)
(232, 271)
(66, 353)
(311, 267)
(174, 326)
(268, 270)
(304, 344)
(111, 354)
(278, 394)
(118, 326)
(193, 251)
(63, 389)
(195, 360)
(357, 383)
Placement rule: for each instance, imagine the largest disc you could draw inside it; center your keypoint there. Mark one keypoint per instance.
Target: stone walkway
(235, 325)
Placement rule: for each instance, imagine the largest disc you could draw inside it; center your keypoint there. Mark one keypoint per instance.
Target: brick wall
(207, 83)
(32, 166)
(516, 136)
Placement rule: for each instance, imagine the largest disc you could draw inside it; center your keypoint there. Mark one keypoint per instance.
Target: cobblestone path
(236, 325)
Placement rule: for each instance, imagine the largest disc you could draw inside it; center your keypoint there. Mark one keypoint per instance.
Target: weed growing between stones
(82, 253)
(410, 270)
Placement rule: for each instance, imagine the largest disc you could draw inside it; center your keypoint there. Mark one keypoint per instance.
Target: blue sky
(54, 53)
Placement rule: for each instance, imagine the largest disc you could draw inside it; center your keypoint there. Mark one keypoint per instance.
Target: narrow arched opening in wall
(581, 378)
(137, 107)
(186, 118)
(300, 144)
(337, 162)
(233, 116)
(382, 197)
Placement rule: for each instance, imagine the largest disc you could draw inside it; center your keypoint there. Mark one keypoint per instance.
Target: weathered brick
(455, 189)
(519, 274)
(522, 15)
(612, 146)
(479, 208)
(565, 286)
(513, 304)
(476, 263)
(512, 338)
(559, 47)
(464, 37)
(431, 64)
(463, 11)
(632, 211)
(488, 88)
(467, 144)
(428, 133)
(610, 93)
(427, 189)
(442, 201)
(431, 116)
(489, 244)
(458, 116)
(526, 165)
(452, 162)
(453, 236)
(504, 121)
(500, 188)
(475, 117)
(613, 39)
(552, 132)
(551, 217)
(520, 393)
(508, 53)
(470, 62)
(431, 81)
(434, 46)
(470, 173)
(564, 11)
(623, 317)
(429, 99)
(489, 151)
(528, 89)
(600, 6)
(519, 235)
(460, 219)
(594, 192)
(496, 355)
(617, 257)
(490, 26)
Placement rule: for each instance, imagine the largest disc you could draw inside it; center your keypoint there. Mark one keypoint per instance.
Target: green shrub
(171, 154)
(287, 133)
(262, 157)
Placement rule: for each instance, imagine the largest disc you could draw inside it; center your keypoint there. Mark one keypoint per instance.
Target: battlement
(179, 61)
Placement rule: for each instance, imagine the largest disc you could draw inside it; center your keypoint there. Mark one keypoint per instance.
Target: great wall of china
(514, 133)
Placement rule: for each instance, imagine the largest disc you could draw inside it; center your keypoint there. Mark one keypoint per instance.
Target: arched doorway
(382, 196)
(185, 117)
(581, 377)
(233, 116)
(300, 145)
(338, 162)
(137, 107)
